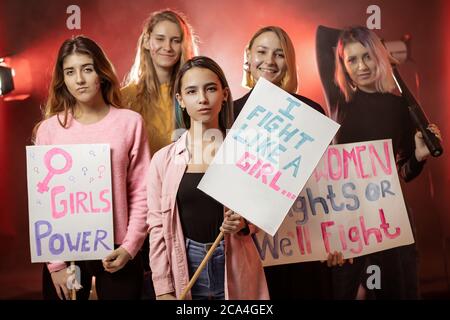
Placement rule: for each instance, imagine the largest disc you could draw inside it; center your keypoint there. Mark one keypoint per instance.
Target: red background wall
(31, 32)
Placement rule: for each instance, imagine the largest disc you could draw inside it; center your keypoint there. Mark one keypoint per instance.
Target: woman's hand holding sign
(232, 222)
(337, 259)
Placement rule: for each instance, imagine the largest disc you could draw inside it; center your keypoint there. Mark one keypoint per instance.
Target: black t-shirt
(375, 116)
(201, 216)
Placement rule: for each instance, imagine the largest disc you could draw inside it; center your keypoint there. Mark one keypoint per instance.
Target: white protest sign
(70, 202)
(352, 203)
(268, 156)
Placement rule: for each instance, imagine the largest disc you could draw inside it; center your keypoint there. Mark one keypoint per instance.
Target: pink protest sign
(268, 156)
(70, 202)
(352, 203)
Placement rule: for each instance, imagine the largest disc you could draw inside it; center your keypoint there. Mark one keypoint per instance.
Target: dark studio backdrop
(32, 31)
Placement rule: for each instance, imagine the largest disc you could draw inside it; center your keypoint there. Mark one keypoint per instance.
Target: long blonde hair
(143, 73)
(289, 81)
(384, 82)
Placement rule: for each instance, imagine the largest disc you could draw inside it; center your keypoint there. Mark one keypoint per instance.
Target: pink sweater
(124, 131)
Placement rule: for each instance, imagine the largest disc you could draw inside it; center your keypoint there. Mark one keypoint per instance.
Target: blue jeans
(210, 283)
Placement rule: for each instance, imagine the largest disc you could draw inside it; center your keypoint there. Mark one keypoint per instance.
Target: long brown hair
(59, 98)
(226, 114)
(143, 73)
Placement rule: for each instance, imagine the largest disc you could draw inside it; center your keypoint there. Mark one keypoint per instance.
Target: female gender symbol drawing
(43, 185)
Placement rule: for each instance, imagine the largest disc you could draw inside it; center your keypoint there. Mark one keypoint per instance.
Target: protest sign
(70, 202)
(352, 203)
(268, 156)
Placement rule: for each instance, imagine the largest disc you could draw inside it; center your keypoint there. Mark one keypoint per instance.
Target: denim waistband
(205, 246)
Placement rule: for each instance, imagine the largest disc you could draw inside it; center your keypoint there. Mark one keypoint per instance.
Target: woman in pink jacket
(183, 220)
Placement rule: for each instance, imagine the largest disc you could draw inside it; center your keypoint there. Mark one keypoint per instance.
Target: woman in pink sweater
(184, 221)
(84, 107)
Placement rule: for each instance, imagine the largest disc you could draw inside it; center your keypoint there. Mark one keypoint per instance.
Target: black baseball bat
(419, 117)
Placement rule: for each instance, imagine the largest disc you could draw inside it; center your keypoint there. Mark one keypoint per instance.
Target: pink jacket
(244, 274)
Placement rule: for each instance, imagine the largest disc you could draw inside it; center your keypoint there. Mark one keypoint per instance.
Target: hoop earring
(246, 66)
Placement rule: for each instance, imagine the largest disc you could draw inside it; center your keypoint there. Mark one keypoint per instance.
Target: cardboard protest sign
(70, 202)
(268, 156)
(352, 203)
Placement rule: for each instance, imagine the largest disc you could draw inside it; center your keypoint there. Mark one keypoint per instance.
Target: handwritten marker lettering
(56, 242)
(43, 185)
